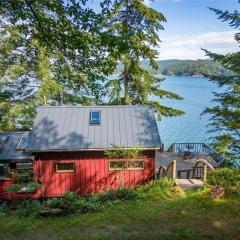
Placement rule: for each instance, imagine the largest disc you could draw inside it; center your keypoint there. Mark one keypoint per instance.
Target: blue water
(191, 127)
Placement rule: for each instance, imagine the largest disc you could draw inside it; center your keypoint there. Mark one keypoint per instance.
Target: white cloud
(189, 46)
(149, 2)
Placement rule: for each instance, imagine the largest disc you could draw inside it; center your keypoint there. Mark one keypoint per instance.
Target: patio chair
(180, 152)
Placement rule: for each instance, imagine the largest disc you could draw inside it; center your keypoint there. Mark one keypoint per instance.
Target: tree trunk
(126, 83)
(125, 73)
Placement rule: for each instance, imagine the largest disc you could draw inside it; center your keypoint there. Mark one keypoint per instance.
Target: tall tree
(135, 27)
(225, 115)
(48, 47)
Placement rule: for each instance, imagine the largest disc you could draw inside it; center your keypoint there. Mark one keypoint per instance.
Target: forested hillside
(191, 67)
(175, 67)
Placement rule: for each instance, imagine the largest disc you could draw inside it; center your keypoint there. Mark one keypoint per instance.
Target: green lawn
(153, 216)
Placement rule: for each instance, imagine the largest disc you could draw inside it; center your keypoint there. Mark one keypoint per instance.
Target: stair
(189, 184)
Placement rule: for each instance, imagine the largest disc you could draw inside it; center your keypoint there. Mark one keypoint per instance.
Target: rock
(47, 212)
(217, 191)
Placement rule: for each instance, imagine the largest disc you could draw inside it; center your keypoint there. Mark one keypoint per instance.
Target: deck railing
(199, 171)
(198, 148)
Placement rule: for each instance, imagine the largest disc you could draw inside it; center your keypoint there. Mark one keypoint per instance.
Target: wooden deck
(165, 158)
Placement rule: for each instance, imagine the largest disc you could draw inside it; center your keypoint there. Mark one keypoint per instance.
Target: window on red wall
(65, 167)
(126, 165)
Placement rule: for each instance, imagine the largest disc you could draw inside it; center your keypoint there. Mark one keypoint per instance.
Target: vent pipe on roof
(62, 99)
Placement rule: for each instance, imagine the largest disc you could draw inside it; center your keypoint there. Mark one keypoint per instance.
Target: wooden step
(189, 183)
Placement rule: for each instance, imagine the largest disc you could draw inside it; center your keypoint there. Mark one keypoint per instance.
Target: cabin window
(3, 140)
(95, 117)
(24, 166)
(65, 167)
(4, 170)
(135, 165)
(23, 143)
(126, 165)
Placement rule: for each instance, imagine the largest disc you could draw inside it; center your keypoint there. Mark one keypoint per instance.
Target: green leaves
(137, 28)
(121, 152)
(225, 115)
(49, 47)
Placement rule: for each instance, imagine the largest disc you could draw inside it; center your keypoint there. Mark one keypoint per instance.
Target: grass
(156, 214)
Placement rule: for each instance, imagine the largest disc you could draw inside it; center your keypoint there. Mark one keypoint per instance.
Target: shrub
(156, 185)
(228, 178)
(24, 187)
(119, 194)
(120, 152)
(108, 196)
(4, 209)
(158, 189)
(126, 194)
(70, 202)
(88, 207)
(28, 208)
(24, 182)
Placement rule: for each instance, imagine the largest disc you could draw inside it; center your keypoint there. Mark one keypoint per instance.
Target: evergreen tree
(134, 28)
(48, 47)
(225, 115)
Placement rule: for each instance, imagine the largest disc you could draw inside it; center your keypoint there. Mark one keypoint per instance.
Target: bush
(88, 207)
(120, 152)
(119, 194)
(126, 194)
(4, 209)
(228, 178)
(156, 185)
(28, 208)
(70, 202)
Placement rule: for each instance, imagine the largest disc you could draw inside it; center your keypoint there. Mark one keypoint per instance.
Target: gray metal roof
(8, 150)
(67, 128)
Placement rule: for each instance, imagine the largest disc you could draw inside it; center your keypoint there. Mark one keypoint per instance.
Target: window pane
(23, 143)
(24, 165)
(135, 165)
(4, 170)
(116, 165)
(95, 117)
(65, 167)
(126, 165)
(3, 139)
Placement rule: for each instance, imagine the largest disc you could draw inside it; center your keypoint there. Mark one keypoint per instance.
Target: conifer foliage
(46, 48)
(225, 115)
(135, 27)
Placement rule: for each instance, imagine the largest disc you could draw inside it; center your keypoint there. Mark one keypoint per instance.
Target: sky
(191, 26)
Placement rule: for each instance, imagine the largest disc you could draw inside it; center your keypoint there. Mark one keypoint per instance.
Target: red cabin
(66, 150)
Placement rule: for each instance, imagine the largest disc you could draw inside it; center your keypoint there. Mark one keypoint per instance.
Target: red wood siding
(91, 174)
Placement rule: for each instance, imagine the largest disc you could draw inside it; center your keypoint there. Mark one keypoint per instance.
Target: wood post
(174, 169)
(204, 172)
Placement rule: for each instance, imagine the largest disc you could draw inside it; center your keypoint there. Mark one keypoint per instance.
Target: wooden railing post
(174, 169)
(204, 172)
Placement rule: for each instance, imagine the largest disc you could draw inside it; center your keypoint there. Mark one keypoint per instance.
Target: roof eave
(88, 149)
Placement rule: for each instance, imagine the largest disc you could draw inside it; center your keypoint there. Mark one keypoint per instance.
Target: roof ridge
(100, 106)
(12, 132)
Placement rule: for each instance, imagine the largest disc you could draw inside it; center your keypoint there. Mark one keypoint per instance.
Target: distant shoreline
(183, 75)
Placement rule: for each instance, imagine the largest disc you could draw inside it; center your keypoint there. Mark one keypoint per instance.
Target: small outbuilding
(68, 145)
(13, 158)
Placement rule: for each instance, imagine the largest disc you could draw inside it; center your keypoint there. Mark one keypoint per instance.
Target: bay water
(190, 127)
